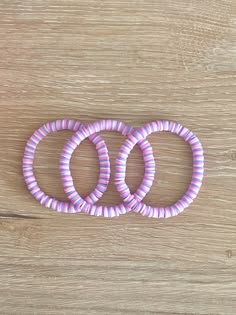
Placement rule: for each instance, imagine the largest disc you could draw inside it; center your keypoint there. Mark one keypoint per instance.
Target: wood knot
(229, 253)
(233, 155)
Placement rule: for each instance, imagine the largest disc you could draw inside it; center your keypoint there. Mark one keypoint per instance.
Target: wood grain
(136, 61)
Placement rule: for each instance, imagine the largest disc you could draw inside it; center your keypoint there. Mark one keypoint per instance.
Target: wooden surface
(136, 61)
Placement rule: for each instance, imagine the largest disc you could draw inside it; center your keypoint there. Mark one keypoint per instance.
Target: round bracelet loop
(28, 159)
(197, 176)
(67, 181)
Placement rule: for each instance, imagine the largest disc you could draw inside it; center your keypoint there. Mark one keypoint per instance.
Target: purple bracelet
(28, 159)
(131, 202)
(81, 204)
(198, 169)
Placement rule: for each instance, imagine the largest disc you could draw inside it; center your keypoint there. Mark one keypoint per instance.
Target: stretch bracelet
(81, 204)
(29, 155)
(135, 203)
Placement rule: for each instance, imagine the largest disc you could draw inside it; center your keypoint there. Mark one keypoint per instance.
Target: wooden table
(135, 61)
